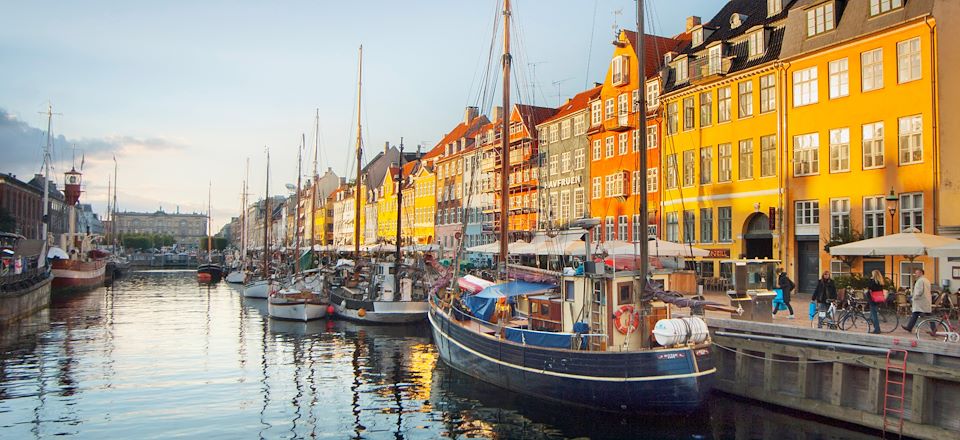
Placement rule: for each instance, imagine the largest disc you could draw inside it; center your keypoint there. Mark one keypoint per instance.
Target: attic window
(774, 7)
(878, 7)
(756, 43)
(736, 20)
(820, 19)
(667, 58)
(697, 37)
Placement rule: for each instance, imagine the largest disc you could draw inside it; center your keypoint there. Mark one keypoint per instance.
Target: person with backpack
(786, 285)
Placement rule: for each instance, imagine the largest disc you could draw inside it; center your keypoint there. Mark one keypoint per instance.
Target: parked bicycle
(854, 315)
(827, 317)
(939, 328)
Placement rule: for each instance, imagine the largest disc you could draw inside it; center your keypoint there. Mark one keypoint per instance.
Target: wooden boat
(80, 267)
(209, 272)
(377, 301)
(24, 277)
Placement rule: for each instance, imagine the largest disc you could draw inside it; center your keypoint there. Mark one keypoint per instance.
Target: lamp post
(891, 201)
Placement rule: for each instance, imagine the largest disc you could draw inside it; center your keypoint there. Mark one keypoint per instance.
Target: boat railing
(10, 281)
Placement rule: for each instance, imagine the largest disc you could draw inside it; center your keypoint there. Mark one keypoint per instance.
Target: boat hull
(654, 381)
(380, 312)
(257, 289)
(23, 302)
(213, 270)
(236, 277)
(77, 276)
(296, 310)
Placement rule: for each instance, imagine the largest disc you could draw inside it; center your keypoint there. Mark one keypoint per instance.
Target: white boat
(354, 304)
(296, 305)
(257, 289)
(237, 277)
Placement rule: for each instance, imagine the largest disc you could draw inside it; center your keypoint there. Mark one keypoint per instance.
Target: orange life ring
(633, 320)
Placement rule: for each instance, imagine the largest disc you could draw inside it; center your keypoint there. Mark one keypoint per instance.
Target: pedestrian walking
(825, 292)
(875, 287)
(786, 286)
(921, 298)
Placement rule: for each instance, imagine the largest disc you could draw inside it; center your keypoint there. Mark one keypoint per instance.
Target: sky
(182, 93)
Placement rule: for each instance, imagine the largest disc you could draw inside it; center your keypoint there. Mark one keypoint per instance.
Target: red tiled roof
(532, 115)
(579, 102)
(461, 130)
(655, 47)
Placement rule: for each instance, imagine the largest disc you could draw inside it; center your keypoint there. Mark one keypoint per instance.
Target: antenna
(533, 83)
(557, 85)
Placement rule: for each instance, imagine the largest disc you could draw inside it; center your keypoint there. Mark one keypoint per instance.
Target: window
(653, 94)
(569, 290)
(706, 225)
(839, 150)
(554, 168)
(681, 71)
(622, 143)
(838, 267)
(908, 60)
(805, 87)
(579, 203)
(768, 156)
(637, 182)
(554, 208)
(774, 7)
(745, 99)
(621, 70)
(724, 162)
(911, 211)
(672, 118)
(706, 164)
(597, 189)
(637, 224)
(636, 140)
(768, 93)
(906, 272)
(623, 101)
(653, 180)
(688, 168)
(672, 171)
(564, 129)
(839, 216)
(873, 145)
(578, 125)
(874, 221)
(596, 149)
(839, 78)
(807, 212)
(714, 59)
(565, 205)
(820, 19)
(579, 159)
(878, 7)
(595, 115)
(622, 228)
(689, 226)
(688, 118)
(554, 133)
(673, 227)
(608, 109)
(614, 184)
(610, 229)
(723, 104)
(635, 100)
(697, 38)
(911, 139)
(651, 137)
(871, 74)
(609, 144)
(755, 44)
(806, 154)
(725, 224)
(746, 159)
(706, 108)
(565, 162)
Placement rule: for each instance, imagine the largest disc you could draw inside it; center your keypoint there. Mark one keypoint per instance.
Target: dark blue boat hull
(668, 380)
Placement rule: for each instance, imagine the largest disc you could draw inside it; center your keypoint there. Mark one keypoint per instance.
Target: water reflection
(157, 356)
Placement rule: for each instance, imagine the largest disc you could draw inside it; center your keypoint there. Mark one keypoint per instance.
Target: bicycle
(855, 314)
(938, 328)
(827, 317)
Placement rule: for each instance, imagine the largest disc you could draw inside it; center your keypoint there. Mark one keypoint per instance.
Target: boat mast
(396, 277)
(209, 238)
(113, 218)
(356, 195)
(642, 125)
(296, 223)
(316, 178)
(268, 215)
(109, 188)
(505, 143)
(243, 217)
(45, 220)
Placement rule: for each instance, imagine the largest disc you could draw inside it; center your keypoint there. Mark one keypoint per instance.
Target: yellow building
(424, 189)
(387, 207)
(720, 177)
(860, 131)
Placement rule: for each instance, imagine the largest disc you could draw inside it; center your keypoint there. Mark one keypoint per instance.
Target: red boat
(79, 270)
(76, 275)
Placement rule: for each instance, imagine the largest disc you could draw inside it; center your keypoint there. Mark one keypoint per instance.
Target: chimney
(692, 22)
(386, 147)
(470, 114)
(497, 113)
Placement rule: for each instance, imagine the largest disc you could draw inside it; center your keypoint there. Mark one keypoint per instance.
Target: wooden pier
(841, 375)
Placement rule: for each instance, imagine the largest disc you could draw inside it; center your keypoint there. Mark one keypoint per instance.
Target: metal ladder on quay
(894, 390)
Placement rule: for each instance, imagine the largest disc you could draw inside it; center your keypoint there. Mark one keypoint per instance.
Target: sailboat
(209, 272)
(620, 352)
(395, 294)
(300, 300)
(260, 288)
(239, 273)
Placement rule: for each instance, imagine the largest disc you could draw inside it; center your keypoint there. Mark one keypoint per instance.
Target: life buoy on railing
(633, 319)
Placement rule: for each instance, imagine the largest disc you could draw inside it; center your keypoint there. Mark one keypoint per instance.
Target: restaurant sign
(719, 253)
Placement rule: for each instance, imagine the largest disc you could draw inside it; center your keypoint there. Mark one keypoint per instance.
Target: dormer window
(621, 70)
(697, 36)
(774, 7)
(736, 20)
(653, 94)
(667, 58)
(681, 70)
(878, 7)
(820, 19)
(756, 43)
(715, 55)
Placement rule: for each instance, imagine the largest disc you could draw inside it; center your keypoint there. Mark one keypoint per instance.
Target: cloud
(21, 146)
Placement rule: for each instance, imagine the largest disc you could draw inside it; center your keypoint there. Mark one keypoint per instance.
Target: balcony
(708, 68)
(620, 123)
(594, 129)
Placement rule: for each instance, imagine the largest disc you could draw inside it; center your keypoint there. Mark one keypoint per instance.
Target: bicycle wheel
(889, 319)
(932, 329)
(849, 321)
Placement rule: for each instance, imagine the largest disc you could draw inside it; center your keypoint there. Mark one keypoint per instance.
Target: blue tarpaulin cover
(484, 303)
(540, 339)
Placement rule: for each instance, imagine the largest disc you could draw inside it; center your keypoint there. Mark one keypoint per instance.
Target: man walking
(921, 297)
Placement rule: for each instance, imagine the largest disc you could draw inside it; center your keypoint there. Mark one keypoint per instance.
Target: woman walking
(875, 284)
(786, 285)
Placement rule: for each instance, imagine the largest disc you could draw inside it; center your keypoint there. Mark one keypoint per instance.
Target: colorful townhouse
(448, 156)
(721, 150)
(617, 184)
(872, 167)
(344, 216)
(564, 173)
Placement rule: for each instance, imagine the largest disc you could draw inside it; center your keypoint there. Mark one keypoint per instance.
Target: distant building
(24, 203)
(186, 229)
(58, 206)
(88, 221)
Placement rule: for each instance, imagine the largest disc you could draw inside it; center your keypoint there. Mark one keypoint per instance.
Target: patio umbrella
(948, 250)
(489, 248)
(908, 243)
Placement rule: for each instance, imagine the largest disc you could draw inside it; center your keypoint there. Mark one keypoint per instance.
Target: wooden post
(803, 374)
(836, 384)
(741, 378)
(919, 400)
(769, 374)
(875, 391)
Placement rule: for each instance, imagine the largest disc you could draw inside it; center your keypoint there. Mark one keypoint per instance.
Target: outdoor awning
(655, 248)
(905, 243)
(946, 251)
(489, 248)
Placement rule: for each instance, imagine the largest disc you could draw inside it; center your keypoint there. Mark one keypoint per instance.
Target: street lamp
(891, 201)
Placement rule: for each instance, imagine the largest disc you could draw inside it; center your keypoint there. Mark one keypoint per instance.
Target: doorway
(808, 265)
(757, 238)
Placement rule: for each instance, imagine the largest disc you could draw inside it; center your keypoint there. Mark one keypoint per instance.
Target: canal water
(157, 356)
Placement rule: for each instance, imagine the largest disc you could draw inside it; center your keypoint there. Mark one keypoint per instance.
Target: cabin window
(568, 290)
(534, 308)
(544, 310)
(624, 290)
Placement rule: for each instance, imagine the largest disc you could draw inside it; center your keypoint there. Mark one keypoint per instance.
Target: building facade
(24, 204)
(186, 229)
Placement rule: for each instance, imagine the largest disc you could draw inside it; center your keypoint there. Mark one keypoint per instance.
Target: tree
(7, 222)
(843, 236)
